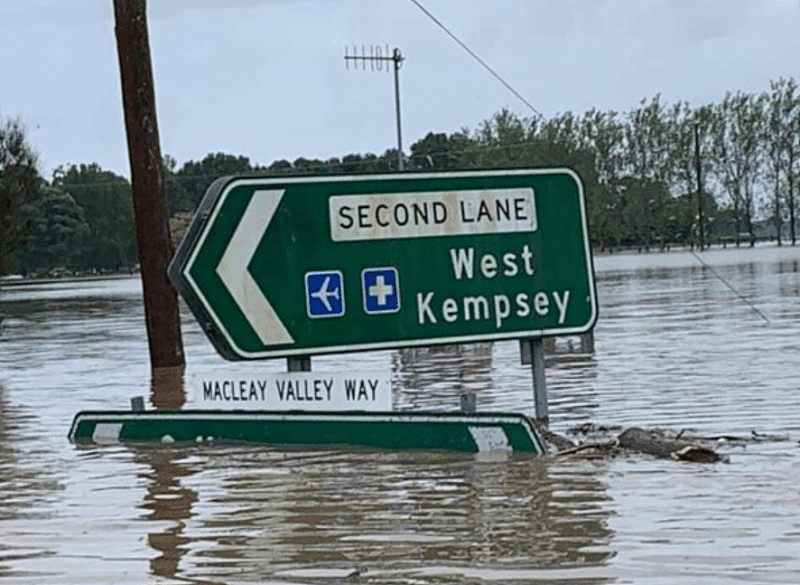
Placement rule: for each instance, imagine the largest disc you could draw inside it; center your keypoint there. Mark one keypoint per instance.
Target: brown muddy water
(675, 348)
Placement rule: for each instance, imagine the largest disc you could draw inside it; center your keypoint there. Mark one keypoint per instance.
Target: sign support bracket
(298, 363)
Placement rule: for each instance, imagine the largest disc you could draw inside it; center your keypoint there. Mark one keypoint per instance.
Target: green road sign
(274, 267)
(408, 430)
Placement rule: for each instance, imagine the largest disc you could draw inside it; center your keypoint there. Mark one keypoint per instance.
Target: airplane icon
(322, 294)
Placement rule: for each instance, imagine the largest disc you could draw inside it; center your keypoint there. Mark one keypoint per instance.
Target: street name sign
(276, 267)
(306, 391)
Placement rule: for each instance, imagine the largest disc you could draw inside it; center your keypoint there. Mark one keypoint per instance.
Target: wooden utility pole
(147, 181)
(699, 184)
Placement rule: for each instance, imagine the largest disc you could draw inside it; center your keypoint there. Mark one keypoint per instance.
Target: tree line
(641, 171)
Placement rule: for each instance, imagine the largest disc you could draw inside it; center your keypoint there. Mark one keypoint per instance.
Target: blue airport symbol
(381, 290)
(324, 294)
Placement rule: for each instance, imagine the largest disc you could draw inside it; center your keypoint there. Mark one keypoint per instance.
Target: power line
(736, 292)
(474, 56)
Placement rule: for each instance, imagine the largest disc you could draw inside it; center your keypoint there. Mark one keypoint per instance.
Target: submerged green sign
(405, 430)
(277, 267)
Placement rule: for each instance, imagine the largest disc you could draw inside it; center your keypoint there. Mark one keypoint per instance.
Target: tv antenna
(378, 57)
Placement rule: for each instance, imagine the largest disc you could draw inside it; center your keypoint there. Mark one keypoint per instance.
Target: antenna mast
(376, 58)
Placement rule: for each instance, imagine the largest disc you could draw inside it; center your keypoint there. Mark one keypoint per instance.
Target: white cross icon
(381, 290)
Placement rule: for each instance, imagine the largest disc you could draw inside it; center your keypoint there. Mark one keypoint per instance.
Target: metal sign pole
(298, 363)
(539, 380)
(398, 59)
(376, 57)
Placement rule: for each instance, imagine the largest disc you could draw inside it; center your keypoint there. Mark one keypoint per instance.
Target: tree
(177, 196)
(19, 190)
(306, 166)
(648, 139)
(366, 163)
(603, 136)
(387, 162)
(59, 234)
(106, 202)
(280, 167)
(737, 132)
(504, 141)
(643, 212)
(179, 225)
(561, 141)
(782, 138)
(681, 215)
(438, 151)
(691, 133)
(196, 177)
(649, 136)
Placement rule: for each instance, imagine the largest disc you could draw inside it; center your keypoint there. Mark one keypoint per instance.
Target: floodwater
(675, 347)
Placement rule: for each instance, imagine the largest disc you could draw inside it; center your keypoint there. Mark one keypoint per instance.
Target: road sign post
(539, 381)
(295, 267)
(281, 267)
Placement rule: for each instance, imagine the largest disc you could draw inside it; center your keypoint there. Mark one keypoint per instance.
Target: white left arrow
(232, 269)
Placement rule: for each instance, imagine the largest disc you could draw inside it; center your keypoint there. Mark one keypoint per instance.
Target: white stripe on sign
(234, 273)
(490, 439)
(106, 432)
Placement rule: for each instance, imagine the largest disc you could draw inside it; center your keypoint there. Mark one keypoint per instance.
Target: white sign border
(286, 352)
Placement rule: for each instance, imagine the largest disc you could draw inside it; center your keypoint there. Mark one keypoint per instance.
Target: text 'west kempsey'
(433, 306)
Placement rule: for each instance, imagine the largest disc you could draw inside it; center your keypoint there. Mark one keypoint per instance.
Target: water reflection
(169, 503)
(434, 376)
(25, 490)
(258, 514)
(788, 266)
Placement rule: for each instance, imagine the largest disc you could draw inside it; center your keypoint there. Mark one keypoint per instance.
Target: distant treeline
(639, 168)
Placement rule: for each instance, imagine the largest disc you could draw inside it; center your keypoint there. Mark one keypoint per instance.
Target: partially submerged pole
(149, 197)
(539, 381)
(532, 353)
(299, 363)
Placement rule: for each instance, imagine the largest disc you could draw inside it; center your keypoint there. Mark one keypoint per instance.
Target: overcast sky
(267, 79)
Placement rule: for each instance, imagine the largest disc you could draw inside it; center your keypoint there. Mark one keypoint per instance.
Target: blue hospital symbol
(381, 290)
(324, 294)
